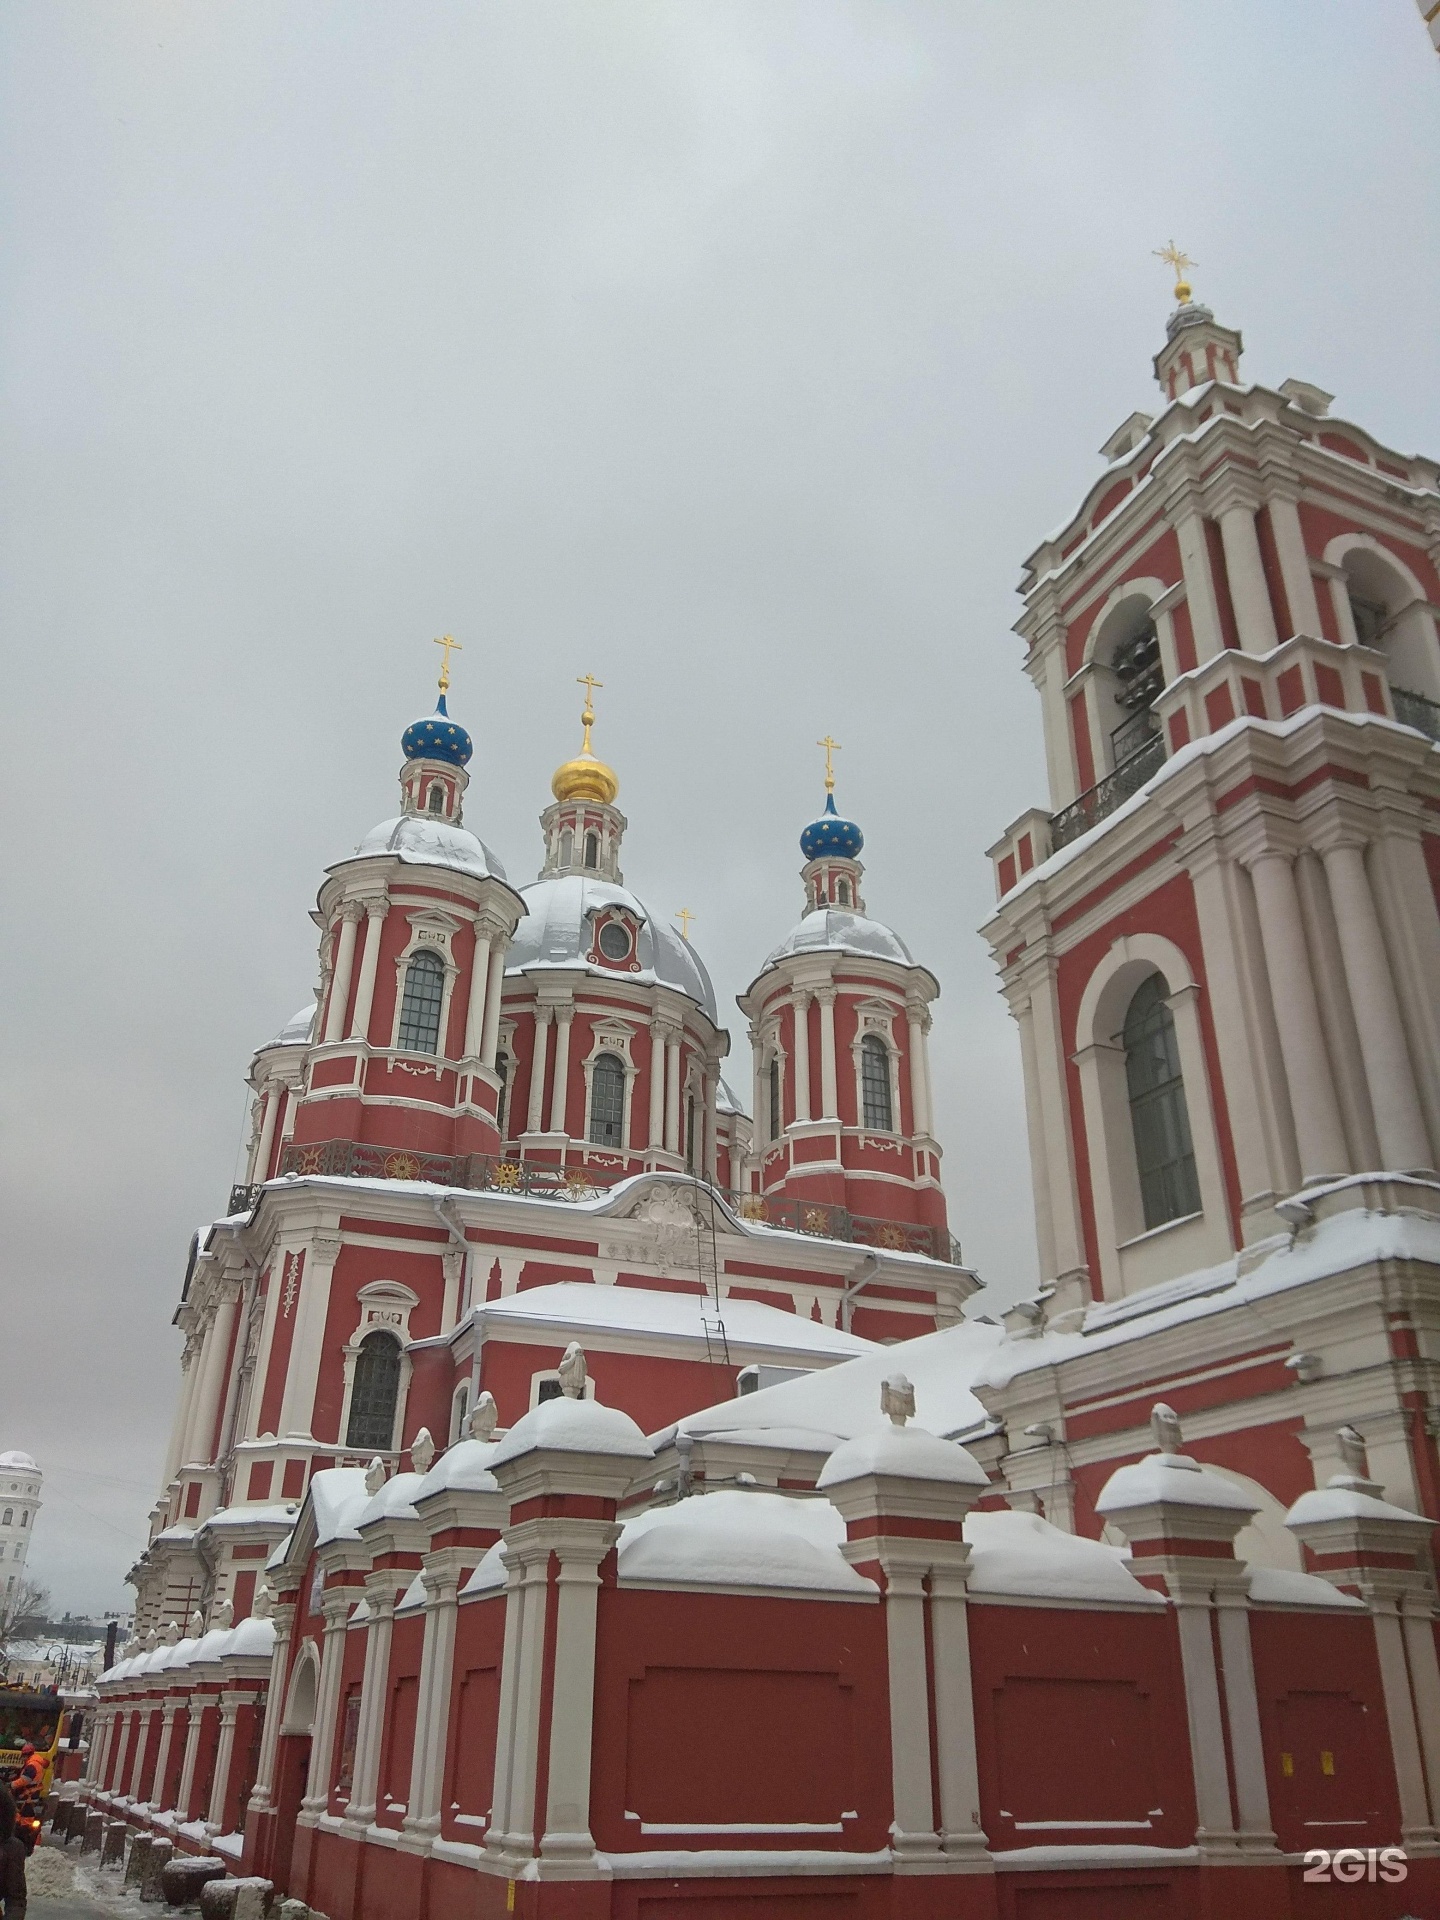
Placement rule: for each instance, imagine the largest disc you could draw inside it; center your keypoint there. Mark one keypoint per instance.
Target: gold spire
(832, 747)
(585, 777)
(450, 646)
(1180, 262)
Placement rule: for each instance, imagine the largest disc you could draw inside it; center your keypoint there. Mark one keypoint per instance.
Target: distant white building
(19, 1503)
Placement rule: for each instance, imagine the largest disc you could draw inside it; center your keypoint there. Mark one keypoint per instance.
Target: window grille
(420, 1006)
(374, 1394)
(875, 1084)
(1165, 1159)
(607, 1101)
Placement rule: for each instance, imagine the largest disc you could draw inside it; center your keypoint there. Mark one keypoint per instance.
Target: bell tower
(1220, 938)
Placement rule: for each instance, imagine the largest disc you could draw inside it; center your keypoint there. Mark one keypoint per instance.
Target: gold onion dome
(585, 777)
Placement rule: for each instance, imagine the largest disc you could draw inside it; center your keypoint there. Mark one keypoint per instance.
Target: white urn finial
(484, 1417)
(422, 1451)
(1165, 1425)
(375, 1476)
(573, 1371)
(897, 1398)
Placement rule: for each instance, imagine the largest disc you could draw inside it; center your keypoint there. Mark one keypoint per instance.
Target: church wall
(651, 1389)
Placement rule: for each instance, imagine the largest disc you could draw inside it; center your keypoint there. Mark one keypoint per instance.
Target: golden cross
(684, 916)
(450, 646)
(1180, 262)
(587, 718)
(832, 747)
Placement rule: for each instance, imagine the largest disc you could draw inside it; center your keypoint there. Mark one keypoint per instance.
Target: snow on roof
(834, 930)
(837, 1403)
(910, 1452)
(1345, 1503)
(579, 1304)
(735, 1538)
(18, 1462)
(394, 1501)
(558, 931)
(490, 1574)
(253, 1637)
(1019, 1553)
(414, 1596)
(296, 1030)
(261, 1514)
(338, 1496)
(574, 1426)
(466, 1464)
(1315, 1252)
(1280, 1586)
(1171, 1479)
(418, 840)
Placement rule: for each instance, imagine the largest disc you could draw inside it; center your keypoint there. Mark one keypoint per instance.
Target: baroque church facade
(588, 1498)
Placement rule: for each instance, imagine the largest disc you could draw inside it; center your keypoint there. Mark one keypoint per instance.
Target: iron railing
(1101, 800)
(243, 1199)
(1415, 710)
(483, 1172)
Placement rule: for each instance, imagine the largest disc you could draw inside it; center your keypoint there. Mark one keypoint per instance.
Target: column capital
(351, 910)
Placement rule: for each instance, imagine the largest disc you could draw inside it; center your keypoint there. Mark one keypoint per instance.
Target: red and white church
(585, 1499)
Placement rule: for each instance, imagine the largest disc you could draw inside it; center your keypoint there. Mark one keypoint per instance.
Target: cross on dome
(437, 736)
(450, 646)
(585, 777)
(1180, 263)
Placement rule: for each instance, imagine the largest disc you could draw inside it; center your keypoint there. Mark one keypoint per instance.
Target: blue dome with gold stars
(831, 837)
(437, 737)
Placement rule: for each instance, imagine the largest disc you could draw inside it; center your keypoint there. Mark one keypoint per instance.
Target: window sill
(1157, 1233)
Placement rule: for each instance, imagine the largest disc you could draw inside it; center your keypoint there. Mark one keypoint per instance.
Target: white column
(1199, 587)
(567, 1808)
(1318, 1132)
(919, 1104)
(307, 1345)
(913, 1832)
(1242, 1713)
(340, 980)
(957, 1764)
(1207, 1728)
(829, 1102)
(560, 1085)
(335, 1605)
(800, 1004)
(672, 1093)
(517, 1738)
(262, 1790)
(1035, 1133)
(1404, 1144)
(1415, 1825)
(1050, 1054)
(195, 1720)
(475, 1005)
(260, 1165)
(162, 1755)
(375, 911)
(374, 1696)
(437, 1661)
(710, 1159)
(1295, 572)
(224, 1756)
(657, 1085)
(200, 1437)
(1249, 594)
(494, 988)
(537, 1070)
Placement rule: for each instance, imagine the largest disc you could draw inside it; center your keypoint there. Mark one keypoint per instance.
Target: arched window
(9, 1517)
(875, 1083)
(607, 1101)
(374, 1394)
(437, 798)
(420, 1006)
(592, 849)
(1169, 1188)
(567, 846)
(777, 1118)
(842, 892)
(460, 1406)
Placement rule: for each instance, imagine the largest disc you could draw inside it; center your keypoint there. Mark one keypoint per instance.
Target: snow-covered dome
(17, 1462)
(296, 1030)
(421, 841)
(833, 930)
(558, 932)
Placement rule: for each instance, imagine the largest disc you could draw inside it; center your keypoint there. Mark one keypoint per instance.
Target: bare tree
(21, 1604)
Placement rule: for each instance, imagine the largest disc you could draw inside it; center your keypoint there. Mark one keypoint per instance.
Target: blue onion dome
(831, 837)
(437, 737)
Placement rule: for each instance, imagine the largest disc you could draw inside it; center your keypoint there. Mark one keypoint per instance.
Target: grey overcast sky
(736, 351)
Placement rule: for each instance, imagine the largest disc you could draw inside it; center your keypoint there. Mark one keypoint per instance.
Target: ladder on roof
(717, 1345)
(707, 1266)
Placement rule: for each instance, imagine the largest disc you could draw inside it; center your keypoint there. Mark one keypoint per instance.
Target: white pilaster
(307, 1345)
(1249, 595)
(1199, 587)
(1318, 1132)
(829, 1096)
(475, 1005)
(375, 911)
(335, 1606)
(437, 1660)
(800, 1006)
(374, 1693)
(340, 980)
(579, 1551)
(224, 1758)
(494, 987)
(260, 1165)
(263, 1788)
(672, 1093)
(1295, 574)
(536, 1112)
(560, 1086)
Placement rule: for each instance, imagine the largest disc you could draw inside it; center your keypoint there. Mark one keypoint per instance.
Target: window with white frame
(876, 1106)
(375, 1393)
(607, 1101)
(1159, 1118)
(420, 1004)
